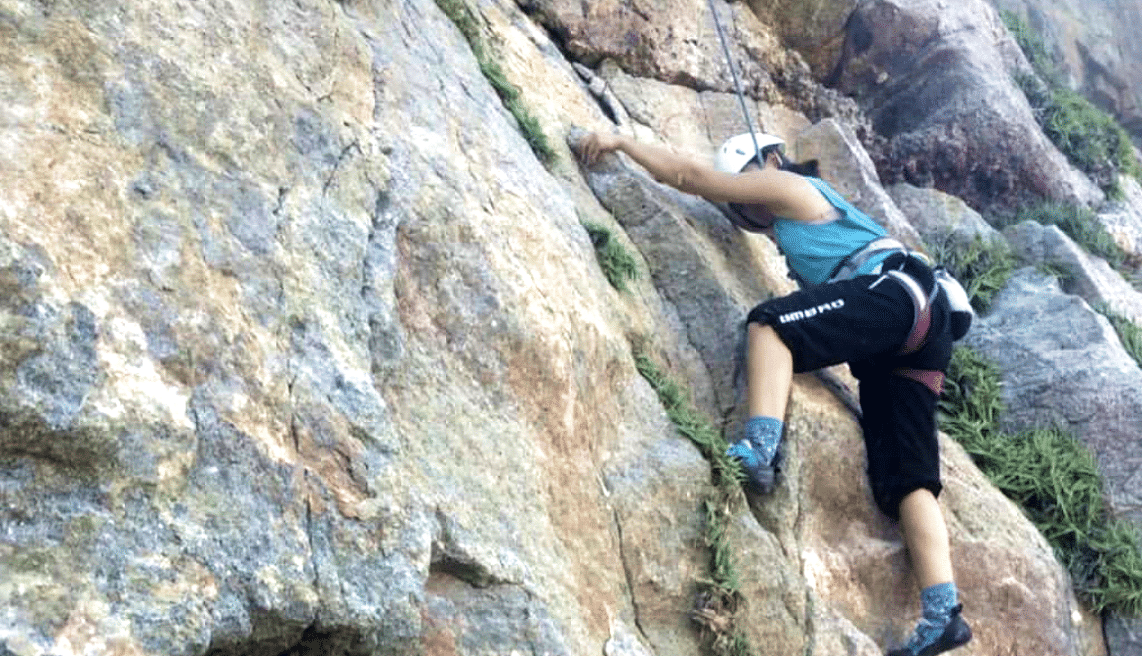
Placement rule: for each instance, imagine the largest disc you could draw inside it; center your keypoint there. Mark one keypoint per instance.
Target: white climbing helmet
(738, 151)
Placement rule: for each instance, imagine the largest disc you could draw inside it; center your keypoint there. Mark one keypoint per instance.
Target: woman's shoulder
(824, 206)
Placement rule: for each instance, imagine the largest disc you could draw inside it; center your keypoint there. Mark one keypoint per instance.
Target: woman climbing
(865, 300)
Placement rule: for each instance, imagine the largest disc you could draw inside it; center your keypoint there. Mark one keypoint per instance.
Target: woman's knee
(889, 498)
(759, 315)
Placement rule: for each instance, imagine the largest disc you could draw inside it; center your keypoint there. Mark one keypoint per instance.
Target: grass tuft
(698, 429)
(1055, 479)
(618, 265)
(720, 596)
(462, 17)
(1092, 139)
(1063, 276)
(982, 266)
(1128, 331)
(1031, 43)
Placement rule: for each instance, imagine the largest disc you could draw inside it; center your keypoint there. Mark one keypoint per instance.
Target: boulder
(1062, 364)
(1123, 220)
(939, 217)
(1083, 274)
(846, 165)
(936, 80)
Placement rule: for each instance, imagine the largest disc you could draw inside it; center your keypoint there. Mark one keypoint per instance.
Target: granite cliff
(305, 350)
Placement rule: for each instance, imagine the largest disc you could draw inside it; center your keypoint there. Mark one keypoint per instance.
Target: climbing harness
(921, 324)
(960, 306)
(922, 300)
(848, 267)
(921, 310)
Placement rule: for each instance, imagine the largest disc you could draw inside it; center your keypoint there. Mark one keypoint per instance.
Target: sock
(938, 601)
(764, 433)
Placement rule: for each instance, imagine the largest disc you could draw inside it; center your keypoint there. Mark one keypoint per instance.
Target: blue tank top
(814, 250)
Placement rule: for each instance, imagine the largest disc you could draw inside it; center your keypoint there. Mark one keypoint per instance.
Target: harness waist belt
(852, 262)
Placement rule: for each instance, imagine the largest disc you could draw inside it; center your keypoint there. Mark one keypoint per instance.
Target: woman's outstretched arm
(784, 194)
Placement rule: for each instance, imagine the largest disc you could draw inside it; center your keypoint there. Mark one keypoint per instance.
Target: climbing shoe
(930, 639)
(760, 476)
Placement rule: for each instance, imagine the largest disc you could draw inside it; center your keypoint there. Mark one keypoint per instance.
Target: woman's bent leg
(769, 372)
(926, 534)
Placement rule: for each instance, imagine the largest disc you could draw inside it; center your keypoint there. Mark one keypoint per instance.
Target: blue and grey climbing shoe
(930, 638)
(761, 476)
(758, 452)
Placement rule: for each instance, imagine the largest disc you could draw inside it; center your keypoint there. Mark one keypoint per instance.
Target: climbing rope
(737, 81)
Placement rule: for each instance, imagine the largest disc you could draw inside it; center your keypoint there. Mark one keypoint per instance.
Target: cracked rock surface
(303, 351)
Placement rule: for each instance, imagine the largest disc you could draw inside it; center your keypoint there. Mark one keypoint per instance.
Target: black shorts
(864, 321)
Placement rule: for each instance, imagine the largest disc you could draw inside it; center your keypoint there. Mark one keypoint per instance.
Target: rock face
(1096, 44)
(305, 351)
(1038, 335)
(257, 383)
(677, 42)
(815, 28)
(936, 79)
(938, 216)
(673, 42)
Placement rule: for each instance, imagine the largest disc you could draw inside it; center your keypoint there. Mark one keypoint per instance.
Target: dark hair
(775, 148)
(737, 216)
(810, 168)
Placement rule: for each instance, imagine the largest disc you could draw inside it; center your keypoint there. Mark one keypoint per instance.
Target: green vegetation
(1048, 269)
(728, 475)
(618, 265)
(972, 402)
(1031, 44)
(720, 596)
(1128, 331)
(982, 266)
(1055, 479)
(1092, 139)
(461, 16)
(1080, 224)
